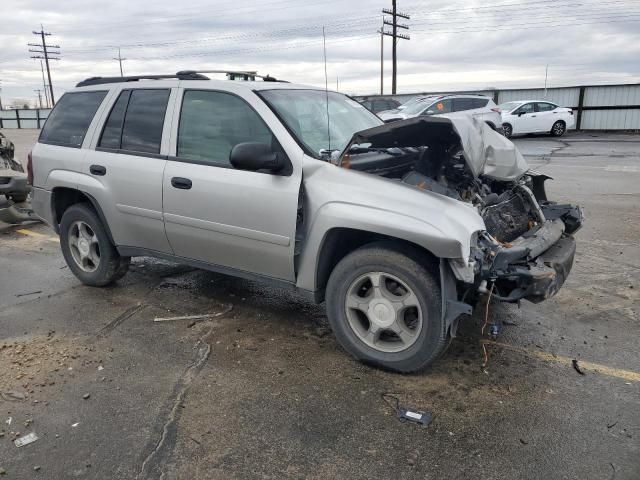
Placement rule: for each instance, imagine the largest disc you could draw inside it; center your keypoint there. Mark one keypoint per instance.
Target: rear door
(127, 167)
(242, 220)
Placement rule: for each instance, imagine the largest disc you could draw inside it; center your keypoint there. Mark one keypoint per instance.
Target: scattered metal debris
(194, 317)
(576, 367)
(26, 440)
(28, 293)
(405, 414)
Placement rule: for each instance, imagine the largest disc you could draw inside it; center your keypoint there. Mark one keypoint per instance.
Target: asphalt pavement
(261, 389)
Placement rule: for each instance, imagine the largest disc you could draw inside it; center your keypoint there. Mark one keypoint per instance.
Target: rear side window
(461, 104)
(112, 133)
(70, 119)
(136, 120)
(545, 107)
(212, 123)
(479, 102)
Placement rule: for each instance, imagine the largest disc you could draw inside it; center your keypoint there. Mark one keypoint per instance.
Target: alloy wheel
(384, 312)
(84, 246)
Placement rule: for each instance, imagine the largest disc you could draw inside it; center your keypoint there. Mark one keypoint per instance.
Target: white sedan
(535, 116)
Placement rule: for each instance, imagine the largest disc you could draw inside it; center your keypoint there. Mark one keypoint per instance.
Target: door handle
(98, 170)
(182, 183)
(533, 116)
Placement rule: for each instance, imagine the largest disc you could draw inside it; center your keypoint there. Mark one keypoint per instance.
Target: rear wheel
(384, 306)
(558, 129)
(507, 130)
(87, 249)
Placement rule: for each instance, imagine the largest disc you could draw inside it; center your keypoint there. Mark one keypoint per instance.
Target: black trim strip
(200, 162)
(131, 152)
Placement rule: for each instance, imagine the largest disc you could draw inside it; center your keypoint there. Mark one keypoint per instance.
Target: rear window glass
(480, 102)
(142, 130)
(69, 121)
(461, 104)
(113, 128)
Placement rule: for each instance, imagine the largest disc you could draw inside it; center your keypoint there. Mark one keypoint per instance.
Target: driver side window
(212, 123)
(526, 108)
(441, 106)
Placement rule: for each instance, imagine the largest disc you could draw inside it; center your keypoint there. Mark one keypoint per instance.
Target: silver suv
(399, 227)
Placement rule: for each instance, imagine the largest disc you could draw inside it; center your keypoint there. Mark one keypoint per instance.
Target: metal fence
(24, 118)
(597, 107)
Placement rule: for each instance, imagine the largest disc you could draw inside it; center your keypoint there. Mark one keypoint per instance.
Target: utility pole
(395, 36)
(38, 91)
(546, 74)
(120, 60)
(382, 58)
(44, 85)
(45, 55)
(0, 97)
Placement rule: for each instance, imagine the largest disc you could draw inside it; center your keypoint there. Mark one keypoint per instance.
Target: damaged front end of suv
(526, 249)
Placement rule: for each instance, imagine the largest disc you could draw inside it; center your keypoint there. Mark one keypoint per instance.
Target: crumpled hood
(485, 151)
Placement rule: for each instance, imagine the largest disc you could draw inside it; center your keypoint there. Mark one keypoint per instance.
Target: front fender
(374, 220)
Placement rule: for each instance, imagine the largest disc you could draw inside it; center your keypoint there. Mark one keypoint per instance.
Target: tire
(402, 268)
(558, 128)
(507, 130)
(93, 259)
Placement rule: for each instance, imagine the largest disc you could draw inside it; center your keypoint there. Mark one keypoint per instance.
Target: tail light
(30, 169)
(497, 110)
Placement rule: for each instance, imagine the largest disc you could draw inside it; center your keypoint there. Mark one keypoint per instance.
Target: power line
(46, 55)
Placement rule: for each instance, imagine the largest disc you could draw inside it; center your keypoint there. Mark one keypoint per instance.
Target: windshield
(304, 112)
(507, 107)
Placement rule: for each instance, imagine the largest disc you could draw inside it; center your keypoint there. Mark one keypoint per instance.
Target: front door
(524, 119)
(214, 213)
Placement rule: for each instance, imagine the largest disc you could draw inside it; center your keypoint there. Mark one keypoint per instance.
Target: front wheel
(507, 130)
(558, 129)
(384, 306)
(87, 249)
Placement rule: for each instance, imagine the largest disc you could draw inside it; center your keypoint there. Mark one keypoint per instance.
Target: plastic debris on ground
(26, 440)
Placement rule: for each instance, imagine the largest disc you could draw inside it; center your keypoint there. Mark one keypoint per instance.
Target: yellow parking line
(627, 375)
(29, 233)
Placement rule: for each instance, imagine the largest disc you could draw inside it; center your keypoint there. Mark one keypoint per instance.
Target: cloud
(460, 45)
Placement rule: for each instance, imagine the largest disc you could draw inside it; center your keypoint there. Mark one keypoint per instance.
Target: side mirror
(256, 156)
(520, 113)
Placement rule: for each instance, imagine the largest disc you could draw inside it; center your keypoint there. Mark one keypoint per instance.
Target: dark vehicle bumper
(535, 266)
(14, 185)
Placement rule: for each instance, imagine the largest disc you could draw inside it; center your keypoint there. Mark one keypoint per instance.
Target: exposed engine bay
(477, 167)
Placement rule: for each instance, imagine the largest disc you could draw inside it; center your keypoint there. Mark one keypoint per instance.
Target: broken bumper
(14, 185)
(536, 265)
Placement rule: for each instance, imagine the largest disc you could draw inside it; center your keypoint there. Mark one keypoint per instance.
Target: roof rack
(246, 74)
(182, 75)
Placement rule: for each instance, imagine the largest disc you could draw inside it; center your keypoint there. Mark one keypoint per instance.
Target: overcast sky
(454, 44)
